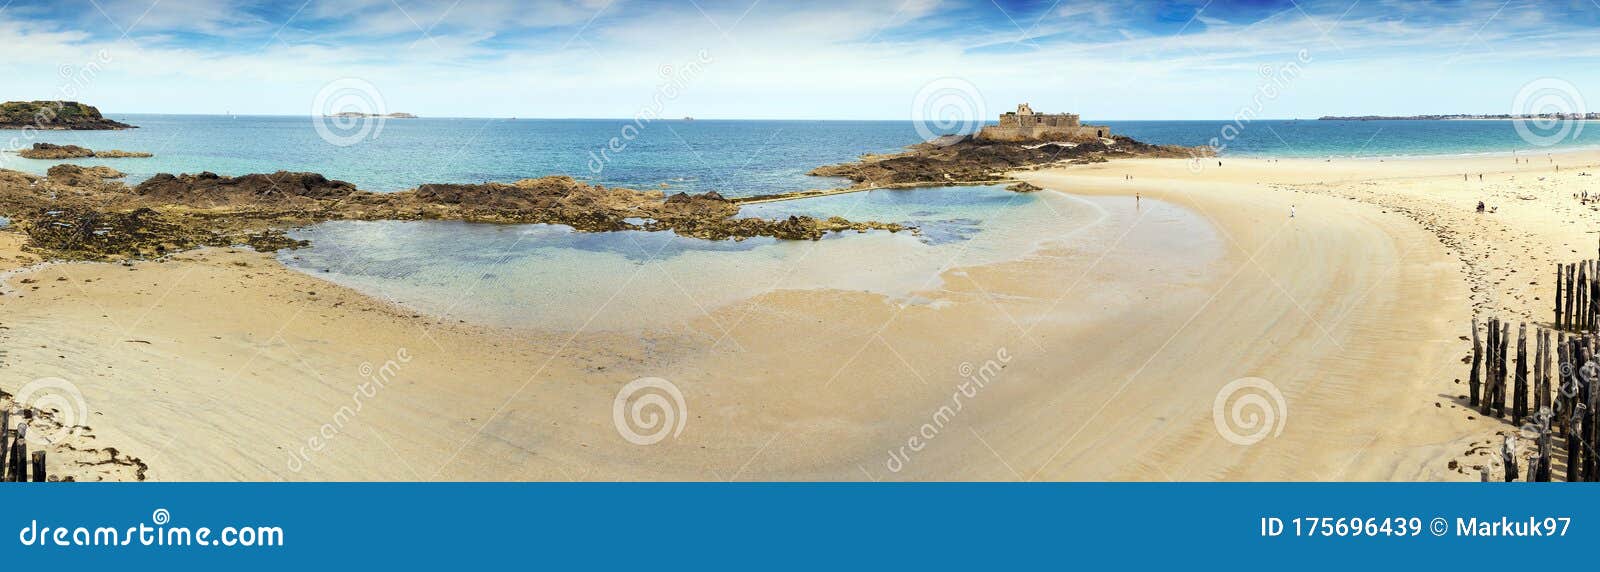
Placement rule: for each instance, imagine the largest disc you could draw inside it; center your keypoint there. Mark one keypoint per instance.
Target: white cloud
(842, 60)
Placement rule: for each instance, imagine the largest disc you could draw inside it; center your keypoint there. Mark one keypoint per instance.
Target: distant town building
(1025, 125)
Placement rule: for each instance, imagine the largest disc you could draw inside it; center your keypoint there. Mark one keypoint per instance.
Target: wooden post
(1583, 295)
(1560, 323)
(5, 441)
(1567, 308)
(38, 466)
(1477, 358)
(1591, 429)
(1538, 367)
(1544, 369)
(1591, 294)
(1500, 384)
(1488, 369)
(19, 461)
(1508, 457)
(1519, 398)
(1574, 420)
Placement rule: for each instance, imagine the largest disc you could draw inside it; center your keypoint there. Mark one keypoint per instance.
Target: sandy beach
(1108, 344)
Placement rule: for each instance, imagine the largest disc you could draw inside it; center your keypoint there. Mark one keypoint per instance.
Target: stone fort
(1025, 125)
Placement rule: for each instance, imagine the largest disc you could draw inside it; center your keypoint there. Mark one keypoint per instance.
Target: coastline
(244, 358)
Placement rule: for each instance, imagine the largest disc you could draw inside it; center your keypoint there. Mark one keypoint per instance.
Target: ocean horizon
(734, 157)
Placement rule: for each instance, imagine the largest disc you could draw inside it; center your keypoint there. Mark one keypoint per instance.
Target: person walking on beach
(1291, 211)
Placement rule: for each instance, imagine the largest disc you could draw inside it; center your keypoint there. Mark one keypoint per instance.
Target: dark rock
(54, 115)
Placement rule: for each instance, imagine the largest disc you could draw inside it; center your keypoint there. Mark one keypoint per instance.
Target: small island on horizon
(1463, 116)
(373, 115)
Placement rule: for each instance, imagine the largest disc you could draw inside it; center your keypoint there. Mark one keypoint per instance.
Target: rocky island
(55, 116)
(50, 151)
(1022, 141)
(360, 115)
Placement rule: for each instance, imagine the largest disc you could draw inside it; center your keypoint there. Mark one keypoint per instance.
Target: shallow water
(551, 277)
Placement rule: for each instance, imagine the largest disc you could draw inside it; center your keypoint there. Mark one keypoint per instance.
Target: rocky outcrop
(54, 115)
(210, 190)
(79, 176)
(48, 151)
(81, 212)
(115, 154)
(966, 160)
(1023, 187)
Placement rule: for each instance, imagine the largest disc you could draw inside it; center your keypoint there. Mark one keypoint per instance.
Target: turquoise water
(736, 158)
(552, 277)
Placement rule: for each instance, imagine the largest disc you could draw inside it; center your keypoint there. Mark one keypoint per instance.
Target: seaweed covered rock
(79, 176)
(82, 212)
(52, 152)
(210, 190)
(77, 232)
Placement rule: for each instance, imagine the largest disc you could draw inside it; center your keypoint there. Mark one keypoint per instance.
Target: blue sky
(1175, 59)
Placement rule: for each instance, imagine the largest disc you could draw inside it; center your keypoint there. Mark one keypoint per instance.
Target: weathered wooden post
(1592, 294)
(19, 460)
(1560, 322)
(1574, 420)
(5, 441)
(1583, 295)
(1504, 371)
(1519, 400)
(1488, 368)
(1538, 365)
(38, 466)
(1477, 359)
(1567, 309)
(1591, 427)
(1508, 457)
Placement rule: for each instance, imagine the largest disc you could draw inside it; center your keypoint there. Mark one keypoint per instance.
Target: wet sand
(1115, 340)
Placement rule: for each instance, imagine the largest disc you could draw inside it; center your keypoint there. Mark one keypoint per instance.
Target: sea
(546, 276)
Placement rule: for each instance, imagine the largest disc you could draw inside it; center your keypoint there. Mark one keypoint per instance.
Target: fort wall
(1025, 125)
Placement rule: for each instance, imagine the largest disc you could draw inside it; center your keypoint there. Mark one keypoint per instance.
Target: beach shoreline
(242, 361)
